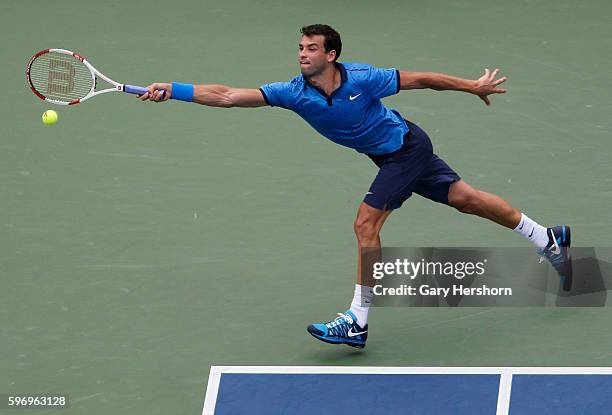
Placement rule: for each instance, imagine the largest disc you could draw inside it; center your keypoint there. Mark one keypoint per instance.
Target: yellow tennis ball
(49, 117)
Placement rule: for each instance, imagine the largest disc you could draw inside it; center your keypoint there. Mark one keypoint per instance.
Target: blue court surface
(404, 390)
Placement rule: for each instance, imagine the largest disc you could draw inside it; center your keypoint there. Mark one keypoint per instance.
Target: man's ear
(331, 55)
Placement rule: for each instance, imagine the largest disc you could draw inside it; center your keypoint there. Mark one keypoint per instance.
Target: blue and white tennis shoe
(557, 253)
(342, 330)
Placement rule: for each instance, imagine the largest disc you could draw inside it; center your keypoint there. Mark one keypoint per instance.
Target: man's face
(312, 56)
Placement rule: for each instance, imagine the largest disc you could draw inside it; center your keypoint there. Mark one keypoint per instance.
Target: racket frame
(117, 87)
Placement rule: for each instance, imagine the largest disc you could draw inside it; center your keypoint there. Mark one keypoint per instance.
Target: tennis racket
(63, 77)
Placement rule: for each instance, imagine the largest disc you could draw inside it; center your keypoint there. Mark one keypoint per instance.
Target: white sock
(533, 231)
(361, 303)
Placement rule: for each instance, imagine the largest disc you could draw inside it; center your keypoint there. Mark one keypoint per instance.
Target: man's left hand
(487, 85)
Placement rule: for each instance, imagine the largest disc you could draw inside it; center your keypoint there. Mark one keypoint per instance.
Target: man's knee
(467, 201)
(366, 227)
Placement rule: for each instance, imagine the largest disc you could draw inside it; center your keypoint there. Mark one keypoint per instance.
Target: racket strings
(60, 77)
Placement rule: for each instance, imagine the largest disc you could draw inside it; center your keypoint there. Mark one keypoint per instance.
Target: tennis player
(342, 101)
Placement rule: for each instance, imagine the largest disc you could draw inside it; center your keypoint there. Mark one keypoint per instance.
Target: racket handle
(138, 90)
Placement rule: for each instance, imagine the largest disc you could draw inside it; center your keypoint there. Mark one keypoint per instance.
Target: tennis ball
(49, 117)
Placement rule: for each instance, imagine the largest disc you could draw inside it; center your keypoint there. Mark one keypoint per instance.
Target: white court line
(505, 384)
(416, 370)
(503, 396)
(212, 390)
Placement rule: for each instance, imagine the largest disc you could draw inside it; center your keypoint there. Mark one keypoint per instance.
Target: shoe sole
(356, 345)
(567, 281)
(568, 235)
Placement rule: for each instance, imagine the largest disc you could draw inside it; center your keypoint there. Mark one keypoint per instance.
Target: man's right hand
(154, 92)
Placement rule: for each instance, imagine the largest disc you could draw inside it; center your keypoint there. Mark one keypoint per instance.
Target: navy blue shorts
(414, 168)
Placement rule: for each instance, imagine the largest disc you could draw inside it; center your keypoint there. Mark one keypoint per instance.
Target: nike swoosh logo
(351, 333)
(555, 248)
(369, 193)
(531, 233)
(351, 98)
(521, 227)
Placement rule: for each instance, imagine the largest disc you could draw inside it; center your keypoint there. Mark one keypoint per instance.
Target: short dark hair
(332, 38)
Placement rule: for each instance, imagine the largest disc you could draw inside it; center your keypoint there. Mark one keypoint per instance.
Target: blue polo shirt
(353, 116)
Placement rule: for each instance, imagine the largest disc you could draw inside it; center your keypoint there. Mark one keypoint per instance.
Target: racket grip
(138, 90)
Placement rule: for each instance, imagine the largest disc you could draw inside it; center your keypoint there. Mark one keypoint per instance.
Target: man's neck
(328, 81)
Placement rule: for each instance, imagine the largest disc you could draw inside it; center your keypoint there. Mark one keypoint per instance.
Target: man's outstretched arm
(211, 95)
(483, 86)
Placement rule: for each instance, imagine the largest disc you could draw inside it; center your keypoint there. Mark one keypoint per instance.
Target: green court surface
(142, 243)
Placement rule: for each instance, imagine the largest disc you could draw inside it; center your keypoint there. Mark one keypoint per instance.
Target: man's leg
(466, 199)
(367, 228)
(351, 327)
(553, 243)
